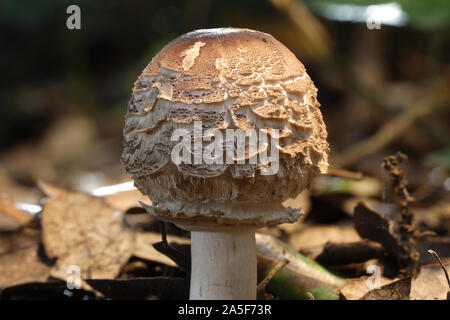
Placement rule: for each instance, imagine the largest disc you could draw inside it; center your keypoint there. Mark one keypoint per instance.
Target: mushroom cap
(227, 78)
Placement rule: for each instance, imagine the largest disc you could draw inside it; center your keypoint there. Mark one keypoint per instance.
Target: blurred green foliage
(440, 158)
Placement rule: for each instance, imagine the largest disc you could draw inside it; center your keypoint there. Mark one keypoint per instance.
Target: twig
(180, 258)
(435, 255)
(335, 172)
(397, 184)
(438, 97)
(163, 231)
(263, 284)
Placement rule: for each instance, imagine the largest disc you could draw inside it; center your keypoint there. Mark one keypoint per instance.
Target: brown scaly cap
(230, 57)
(229, 79)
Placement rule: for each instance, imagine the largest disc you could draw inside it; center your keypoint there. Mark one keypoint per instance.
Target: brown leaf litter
(83, 230)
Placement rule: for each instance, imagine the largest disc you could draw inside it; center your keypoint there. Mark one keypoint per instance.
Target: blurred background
(381, 67)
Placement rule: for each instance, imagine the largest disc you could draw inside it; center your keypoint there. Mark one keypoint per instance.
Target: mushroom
(208, 83)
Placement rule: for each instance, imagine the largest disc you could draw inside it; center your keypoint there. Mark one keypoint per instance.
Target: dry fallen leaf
(397, 290)
(401, 249)
(83, 230)
(140, 221)
(15, 190)
(144, 247)
(430, 283)
(10, 241)
(11, 218)
(121, 200)
(21, 266)
(355, 289)
(313, 236)
(334, 254)
(126, 200)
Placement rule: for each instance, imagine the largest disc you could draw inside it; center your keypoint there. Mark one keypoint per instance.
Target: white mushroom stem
(223, 265)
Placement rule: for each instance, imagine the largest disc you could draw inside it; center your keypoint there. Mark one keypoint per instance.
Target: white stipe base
(223, 265)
